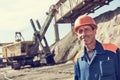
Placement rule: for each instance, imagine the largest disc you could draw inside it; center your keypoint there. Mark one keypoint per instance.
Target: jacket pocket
(107, 69)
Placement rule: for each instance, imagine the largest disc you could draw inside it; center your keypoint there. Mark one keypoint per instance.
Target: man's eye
(80, 31)
(86, 29)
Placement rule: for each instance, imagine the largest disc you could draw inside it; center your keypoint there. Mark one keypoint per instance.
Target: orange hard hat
(83, 20)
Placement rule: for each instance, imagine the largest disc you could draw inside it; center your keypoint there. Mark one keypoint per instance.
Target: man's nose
(83, 36)
(83, 32)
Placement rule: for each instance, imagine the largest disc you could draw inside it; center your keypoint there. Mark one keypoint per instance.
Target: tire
(16, 66)
(36, 64)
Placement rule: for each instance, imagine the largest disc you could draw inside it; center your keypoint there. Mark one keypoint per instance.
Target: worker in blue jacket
(96, 61)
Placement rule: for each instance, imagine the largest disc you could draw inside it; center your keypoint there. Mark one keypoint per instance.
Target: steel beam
(69, 10)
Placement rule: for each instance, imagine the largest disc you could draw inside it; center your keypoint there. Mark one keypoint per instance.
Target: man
(94, 62)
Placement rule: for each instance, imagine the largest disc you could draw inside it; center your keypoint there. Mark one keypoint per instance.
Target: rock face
(109, 27)
(108, 32)
(66, 48)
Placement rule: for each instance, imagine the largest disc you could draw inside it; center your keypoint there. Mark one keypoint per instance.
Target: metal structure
(40, 34)
(69, 10)
(21, 52)
(48, 56)
(18, 36)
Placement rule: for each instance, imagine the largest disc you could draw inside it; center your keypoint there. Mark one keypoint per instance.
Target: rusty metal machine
(18, 54)
(21, 53)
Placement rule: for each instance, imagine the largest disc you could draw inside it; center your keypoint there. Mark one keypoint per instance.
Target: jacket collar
(99, 49)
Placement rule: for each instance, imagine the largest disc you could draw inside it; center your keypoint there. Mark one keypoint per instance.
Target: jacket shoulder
(110, 47)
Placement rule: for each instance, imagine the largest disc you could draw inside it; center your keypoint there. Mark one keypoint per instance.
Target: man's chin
(86, 43)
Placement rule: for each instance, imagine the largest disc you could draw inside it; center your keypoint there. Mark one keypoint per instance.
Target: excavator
(21, 53)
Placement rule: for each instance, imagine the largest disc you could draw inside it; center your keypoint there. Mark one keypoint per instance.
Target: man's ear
(95, 30)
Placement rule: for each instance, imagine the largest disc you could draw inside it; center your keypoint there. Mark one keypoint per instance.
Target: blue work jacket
(104, 65)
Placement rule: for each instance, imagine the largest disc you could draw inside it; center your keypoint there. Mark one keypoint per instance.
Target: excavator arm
(40, 35)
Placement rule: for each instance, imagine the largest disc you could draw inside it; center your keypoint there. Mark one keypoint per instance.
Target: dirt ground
(55, 72)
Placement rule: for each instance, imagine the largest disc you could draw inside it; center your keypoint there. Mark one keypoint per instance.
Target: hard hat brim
(77, 28)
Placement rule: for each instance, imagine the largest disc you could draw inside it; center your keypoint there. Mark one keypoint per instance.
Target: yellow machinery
(20, 48)
(21, 53)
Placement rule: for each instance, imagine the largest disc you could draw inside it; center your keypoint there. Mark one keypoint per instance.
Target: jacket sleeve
(76, 71)
(118, 64)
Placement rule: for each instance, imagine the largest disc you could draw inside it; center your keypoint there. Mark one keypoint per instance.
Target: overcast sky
(15, 16)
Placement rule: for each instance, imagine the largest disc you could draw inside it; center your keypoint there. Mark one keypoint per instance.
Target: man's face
(86, 34)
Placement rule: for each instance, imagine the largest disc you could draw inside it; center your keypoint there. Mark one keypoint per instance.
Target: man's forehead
(84, 26)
